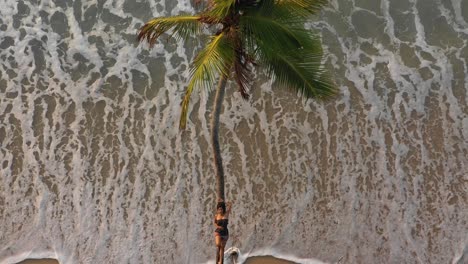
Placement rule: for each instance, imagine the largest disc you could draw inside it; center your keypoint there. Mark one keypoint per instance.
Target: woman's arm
(228, 209)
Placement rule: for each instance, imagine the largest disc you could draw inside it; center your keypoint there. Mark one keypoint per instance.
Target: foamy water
(93, 168)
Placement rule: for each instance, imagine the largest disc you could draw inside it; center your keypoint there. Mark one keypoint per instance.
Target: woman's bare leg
(218, 242)
(223, 245)
(221, 251)
(221, 255)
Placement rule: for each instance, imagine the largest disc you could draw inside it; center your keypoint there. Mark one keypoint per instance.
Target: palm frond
(289, 10)
(302, 7)
(275, 24)
(182, 26)
(278, 34)
(264, 7)
(216, 59)
(300, 70)
(219, 9)
(247, 4)
(242, 64)
(242, 73)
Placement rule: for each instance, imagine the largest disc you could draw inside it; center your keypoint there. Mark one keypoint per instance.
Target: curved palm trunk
(218, 161)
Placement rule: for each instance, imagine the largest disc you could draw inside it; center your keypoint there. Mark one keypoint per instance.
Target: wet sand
(39, 261)
(251, 260)
(267, 260)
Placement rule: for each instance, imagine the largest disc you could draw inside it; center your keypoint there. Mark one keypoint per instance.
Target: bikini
(222, 231)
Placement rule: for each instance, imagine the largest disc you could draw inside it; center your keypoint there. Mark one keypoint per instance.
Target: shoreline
(250, 260)
(39, 261)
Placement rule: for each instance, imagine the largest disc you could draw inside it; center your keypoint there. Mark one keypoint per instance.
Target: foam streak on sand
(94, 170)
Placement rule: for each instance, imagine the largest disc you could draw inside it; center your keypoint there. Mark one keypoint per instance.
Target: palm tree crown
(247, 33)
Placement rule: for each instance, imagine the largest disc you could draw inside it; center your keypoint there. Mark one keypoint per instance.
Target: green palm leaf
(220, 9)
(182, 26)
(269, 30)
(300, 70)
(282, 21)
(289, 51)
(303, 8)
(215, 60)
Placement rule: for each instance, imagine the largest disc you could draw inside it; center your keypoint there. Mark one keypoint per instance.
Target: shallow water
(94, 170)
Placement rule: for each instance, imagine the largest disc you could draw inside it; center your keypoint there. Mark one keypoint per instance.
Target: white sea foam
(94, 170)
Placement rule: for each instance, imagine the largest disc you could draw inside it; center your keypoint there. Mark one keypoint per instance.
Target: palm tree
(244, 34)
(247, 33)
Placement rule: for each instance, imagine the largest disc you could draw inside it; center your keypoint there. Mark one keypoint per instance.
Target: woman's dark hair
(221, 205)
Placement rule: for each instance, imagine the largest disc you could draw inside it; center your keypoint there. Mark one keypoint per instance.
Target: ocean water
(93, 168)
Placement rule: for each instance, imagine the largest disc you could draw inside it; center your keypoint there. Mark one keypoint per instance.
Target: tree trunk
(218, 161)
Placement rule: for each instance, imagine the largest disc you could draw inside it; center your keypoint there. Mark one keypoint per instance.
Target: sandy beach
(252, 260)
(39, 261)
